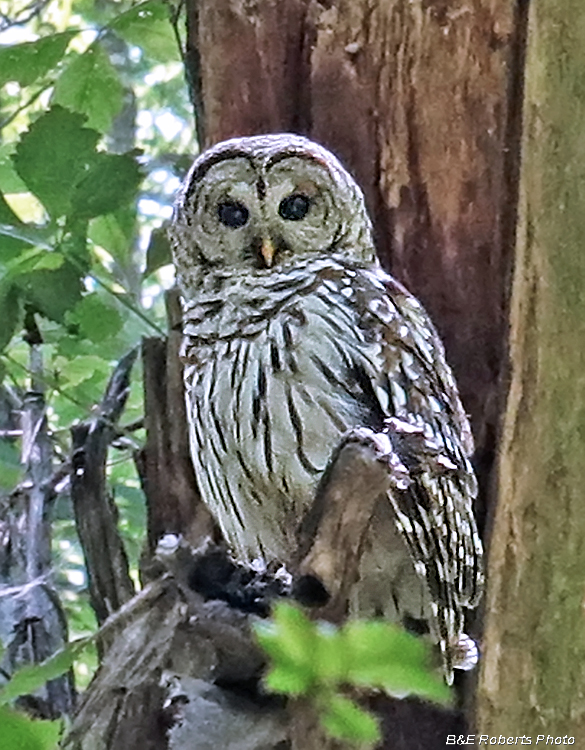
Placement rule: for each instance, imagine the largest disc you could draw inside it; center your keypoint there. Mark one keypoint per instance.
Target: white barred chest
(266, 412)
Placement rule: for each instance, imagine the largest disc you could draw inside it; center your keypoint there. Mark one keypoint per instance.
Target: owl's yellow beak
(267, 251)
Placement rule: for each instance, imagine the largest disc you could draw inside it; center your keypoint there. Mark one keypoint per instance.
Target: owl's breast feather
(270, 407)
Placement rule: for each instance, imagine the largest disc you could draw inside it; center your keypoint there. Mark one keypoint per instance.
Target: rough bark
(157, 684)
(533, 674)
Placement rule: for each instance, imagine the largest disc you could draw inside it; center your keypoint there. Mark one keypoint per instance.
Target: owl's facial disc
(250, 213)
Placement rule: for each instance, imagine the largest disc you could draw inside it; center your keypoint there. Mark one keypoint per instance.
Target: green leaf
(384, 656)
(158, 252)
(148, 26)
(9, 312)
(115, 232)
(7, 215)
(54, 155)
(10, 244)
(91, 86)
(74, 245)
(289, 679)
(111, 181)
(96, 319)
(18, 732)
(26, 234)
(34, 259)
(330, 655)
(32, 677)
(52, 292)
(24, 63)
(10, 182)
(321, 661)
(80, 369)
(344, 719)
(290, 637)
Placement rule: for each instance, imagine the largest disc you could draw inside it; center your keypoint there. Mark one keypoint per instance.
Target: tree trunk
(533, 674)
(422, 102)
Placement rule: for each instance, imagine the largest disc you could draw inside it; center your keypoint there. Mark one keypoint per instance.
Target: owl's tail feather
(432, 498)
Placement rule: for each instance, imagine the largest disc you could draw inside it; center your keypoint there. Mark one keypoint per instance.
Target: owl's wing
(430, 432)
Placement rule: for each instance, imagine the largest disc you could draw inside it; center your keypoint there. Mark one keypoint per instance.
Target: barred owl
(293, 335)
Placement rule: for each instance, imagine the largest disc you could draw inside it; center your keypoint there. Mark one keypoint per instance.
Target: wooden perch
(183, 661)
(333, 530)
(179, 668)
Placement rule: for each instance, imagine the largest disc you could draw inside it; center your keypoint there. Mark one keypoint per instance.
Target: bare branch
(110, 584)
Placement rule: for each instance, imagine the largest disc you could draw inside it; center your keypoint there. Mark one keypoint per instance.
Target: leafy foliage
(53, 156)
(93, 118)
(91, 86)
(20, 732)
(323, 662)
(34, 676)
(147, 26)
(26, 63)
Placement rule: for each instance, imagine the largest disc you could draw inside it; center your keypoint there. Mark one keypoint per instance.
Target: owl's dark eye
(232, 214)
(294, 207)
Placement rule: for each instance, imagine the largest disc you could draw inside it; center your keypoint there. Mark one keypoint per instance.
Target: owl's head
(263, 203)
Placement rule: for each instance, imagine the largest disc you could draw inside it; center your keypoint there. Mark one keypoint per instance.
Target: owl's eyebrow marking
(299, 154)
(210, 161)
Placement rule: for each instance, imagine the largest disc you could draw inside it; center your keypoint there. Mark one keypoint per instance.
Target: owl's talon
(465, 653)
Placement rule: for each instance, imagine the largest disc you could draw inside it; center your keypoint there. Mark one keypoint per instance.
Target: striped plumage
(292, 336)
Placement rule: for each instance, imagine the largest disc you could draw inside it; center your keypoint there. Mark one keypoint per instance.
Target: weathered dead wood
(175, 674)
(110, 585)
(332, 533)
(32, 622)
(182, 669)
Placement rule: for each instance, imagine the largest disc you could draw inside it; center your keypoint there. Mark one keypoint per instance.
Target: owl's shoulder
(409, 365)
